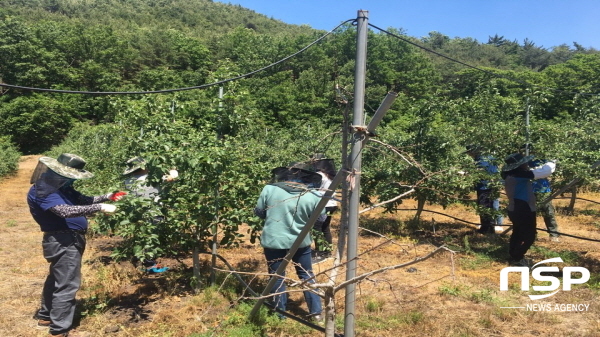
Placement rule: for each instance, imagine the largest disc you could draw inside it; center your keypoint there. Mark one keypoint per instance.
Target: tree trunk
(571, 208)
(420, 206)
(196, 267)
(329, 312)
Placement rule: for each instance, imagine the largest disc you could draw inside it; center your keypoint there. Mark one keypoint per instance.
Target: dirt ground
(449, 294)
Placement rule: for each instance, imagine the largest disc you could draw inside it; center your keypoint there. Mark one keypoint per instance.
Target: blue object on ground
(154, 270)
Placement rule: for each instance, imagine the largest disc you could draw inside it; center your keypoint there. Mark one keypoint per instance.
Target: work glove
(108, 208)
(173, 174)
(117, 196)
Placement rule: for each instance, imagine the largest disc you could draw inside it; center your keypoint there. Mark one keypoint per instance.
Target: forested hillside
(127, 69)
(104, 46)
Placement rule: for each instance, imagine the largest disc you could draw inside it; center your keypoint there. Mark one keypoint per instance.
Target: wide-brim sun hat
(324, 165)
(515, 160)
(297, 171)
(67, 165)
(134, 164)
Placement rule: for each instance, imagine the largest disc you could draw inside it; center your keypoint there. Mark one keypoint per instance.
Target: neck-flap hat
(134, 164)
(66, 165)
(297, 172)
(515, 160)
(52, 174)
(325, 165)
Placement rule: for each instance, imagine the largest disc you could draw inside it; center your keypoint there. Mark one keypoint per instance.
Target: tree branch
(381, 270)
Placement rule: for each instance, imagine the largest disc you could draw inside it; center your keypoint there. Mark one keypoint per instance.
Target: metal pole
(215, 227)
(527, 135)
(355, 162)
(383, 108)
(346, 167)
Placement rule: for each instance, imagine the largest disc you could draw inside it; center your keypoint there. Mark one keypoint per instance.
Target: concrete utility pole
(355, 164)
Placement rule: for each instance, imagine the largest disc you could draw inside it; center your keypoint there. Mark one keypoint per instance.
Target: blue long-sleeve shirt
(486, 163)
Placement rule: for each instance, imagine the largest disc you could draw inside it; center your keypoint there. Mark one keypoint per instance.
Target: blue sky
(547, 23)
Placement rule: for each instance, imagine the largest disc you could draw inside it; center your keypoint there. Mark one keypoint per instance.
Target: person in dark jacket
(542, 188)
(518, 179)
(61, 212)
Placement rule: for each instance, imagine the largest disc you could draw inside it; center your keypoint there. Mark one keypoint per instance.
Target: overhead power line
(177, 89)
(203, 86)
(525, 83)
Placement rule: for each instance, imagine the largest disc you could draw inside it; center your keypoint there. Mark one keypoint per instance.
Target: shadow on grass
(457, 236)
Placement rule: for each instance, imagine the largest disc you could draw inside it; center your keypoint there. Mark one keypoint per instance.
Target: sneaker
(321, 256)
(554, 239)
(318, 259)
(524, 262)
(486, 230)
(43, 324)
(317, 319)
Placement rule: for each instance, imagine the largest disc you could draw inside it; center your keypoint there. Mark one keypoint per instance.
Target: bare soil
(447, 295)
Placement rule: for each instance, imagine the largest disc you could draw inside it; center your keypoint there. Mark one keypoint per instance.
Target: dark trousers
(523, 234)
(63, 251)
(485, 201)
(303, 264)
(547, 212)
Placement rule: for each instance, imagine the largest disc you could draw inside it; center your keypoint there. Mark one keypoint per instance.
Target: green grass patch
(451, 289)
(594, 282)
(374, 305)
(591, 212)
(569, 257)
(395, 321)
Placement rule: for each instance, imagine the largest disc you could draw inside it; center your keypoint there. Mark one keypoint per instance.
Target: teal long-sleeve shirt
(286, 208)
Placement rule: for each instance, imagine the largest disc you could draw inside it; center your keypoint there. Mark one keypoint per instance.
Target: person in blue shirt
(541, 188)
(518, 185)
(485, 192)
(61, 212)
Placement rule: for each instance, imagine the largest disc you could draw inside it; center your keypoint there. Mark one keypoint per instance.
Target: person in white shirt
(323, 238)
(136, 181)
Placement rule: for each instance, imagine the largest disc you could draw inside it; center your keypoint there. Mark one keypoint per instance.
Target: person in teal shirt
(286, 205)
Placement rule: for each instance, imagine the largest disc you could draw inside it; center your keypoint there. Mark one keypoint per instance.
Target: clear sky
(547, 23)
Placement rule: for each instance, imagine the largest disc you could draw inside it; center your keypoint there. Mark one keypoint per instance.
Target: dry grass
(431, 300)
